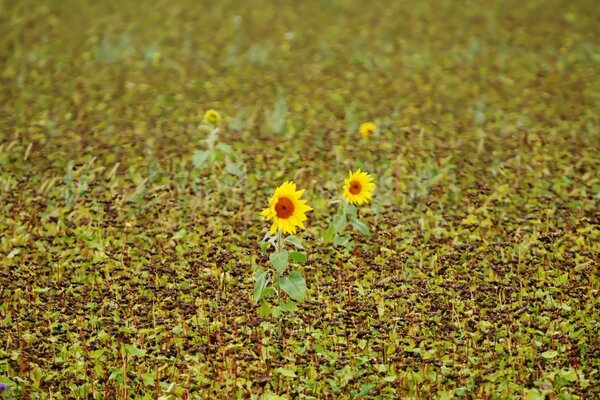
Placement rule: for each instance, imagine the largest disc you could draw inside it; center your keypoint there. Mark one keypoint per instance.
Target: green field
(128, 252)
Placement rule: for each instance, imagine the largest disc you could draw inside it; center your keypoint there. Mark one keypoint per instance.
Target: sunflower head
(212, 117)
(358, 187)
(367, 129)
(286, 209)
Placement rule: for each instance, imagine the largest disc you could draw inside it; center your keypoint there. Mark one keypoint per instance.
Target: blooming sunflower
(212, 117)
(286, 209)
(358, 188)
(367, 129)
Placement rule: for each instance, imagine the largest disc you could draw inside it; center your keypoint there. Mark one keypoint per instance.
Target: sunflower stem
(279, 249)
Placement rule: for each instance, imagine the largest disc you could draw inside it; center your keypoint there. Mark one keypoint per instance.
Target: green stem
(279, 249)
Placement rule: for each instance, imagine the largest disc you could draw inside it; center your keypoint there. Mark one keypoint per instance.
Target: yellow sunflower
(367, 129)
(212, 117)
(286, 209)
(358, 188)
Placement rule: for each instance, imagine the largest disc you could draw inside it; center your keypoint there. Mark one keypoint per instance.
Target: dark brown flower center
(284, 208)
(355, 187)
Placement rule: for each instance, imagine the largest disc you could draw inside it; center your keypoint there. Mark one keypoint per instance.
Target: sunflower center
(355, 187)
(284, 208)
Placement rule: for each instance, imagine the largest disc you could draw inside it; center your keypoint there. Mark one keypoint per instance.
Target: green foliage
(122, 232)
(346, 217)
(292, 283)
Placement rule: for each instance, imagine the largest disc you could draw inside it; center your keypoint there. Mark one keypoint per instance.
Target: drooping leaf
(360, 226)
(260, 282)
(295, 241)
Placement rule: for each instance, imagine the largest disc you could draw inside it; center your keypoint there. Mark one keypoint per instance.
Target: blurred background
(88, 78)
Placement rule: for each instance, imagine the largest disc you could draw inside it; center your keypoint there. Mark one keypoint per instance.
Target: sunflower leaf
(225, 148)
(294, 285)
(341, 240)
(200, 158)
(338, 222)
(360, 226)
(264, 246)
(234, 169)
(279, 261)
(329, 234)
(295, 241)
(261, 279)
(351, 210)
(298, 256)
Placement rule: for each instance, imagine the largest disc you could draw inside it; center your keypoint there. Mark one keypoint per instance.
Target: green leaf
(97, 353)
(319, 349)
(550, 354)
(329, 234)
(298, 256)
(279, 261)
(338, 222)
(272, 396)
(349, 244)
(218, 155)
(264, 246)
(365, 389)
(351, 210)
(148, 379)
(569, 375)
(288, 373)
(294, 285)
(225, 148)
(265, 309)
(534, 394)
(261, 279)
(361, 227)
(117, 375)
(295, 241)
(134, 351)
(200, 158)
(340, 240)
(288, 306)
(177, 330)
(233, 170)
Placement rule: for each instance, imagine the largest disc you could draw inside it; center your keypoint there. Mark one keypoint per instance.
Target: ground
(127, 259)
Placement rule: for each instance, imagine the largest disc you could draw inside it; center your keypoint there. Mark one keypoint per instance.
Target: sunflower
(212, 117)
(358, 187)
(367, 129)
(286, 209)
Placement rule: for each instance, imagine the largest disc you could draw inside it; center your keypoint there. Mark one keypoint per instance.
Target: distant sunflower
(367, 129)
(358, 188)
(212, 117)
(286, 209)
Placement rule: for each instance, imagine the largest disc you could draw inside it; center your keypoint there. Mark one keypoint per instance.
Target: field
(130, 225)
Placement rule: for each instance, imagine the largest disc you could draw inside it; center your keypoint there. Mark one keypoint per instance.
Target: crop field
(322, 199)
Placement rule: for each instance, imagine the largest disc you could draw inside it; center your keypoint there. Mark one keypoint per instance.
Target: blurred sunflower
(212, 117)
(286, 209)
(358, 188)
(367, 129)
